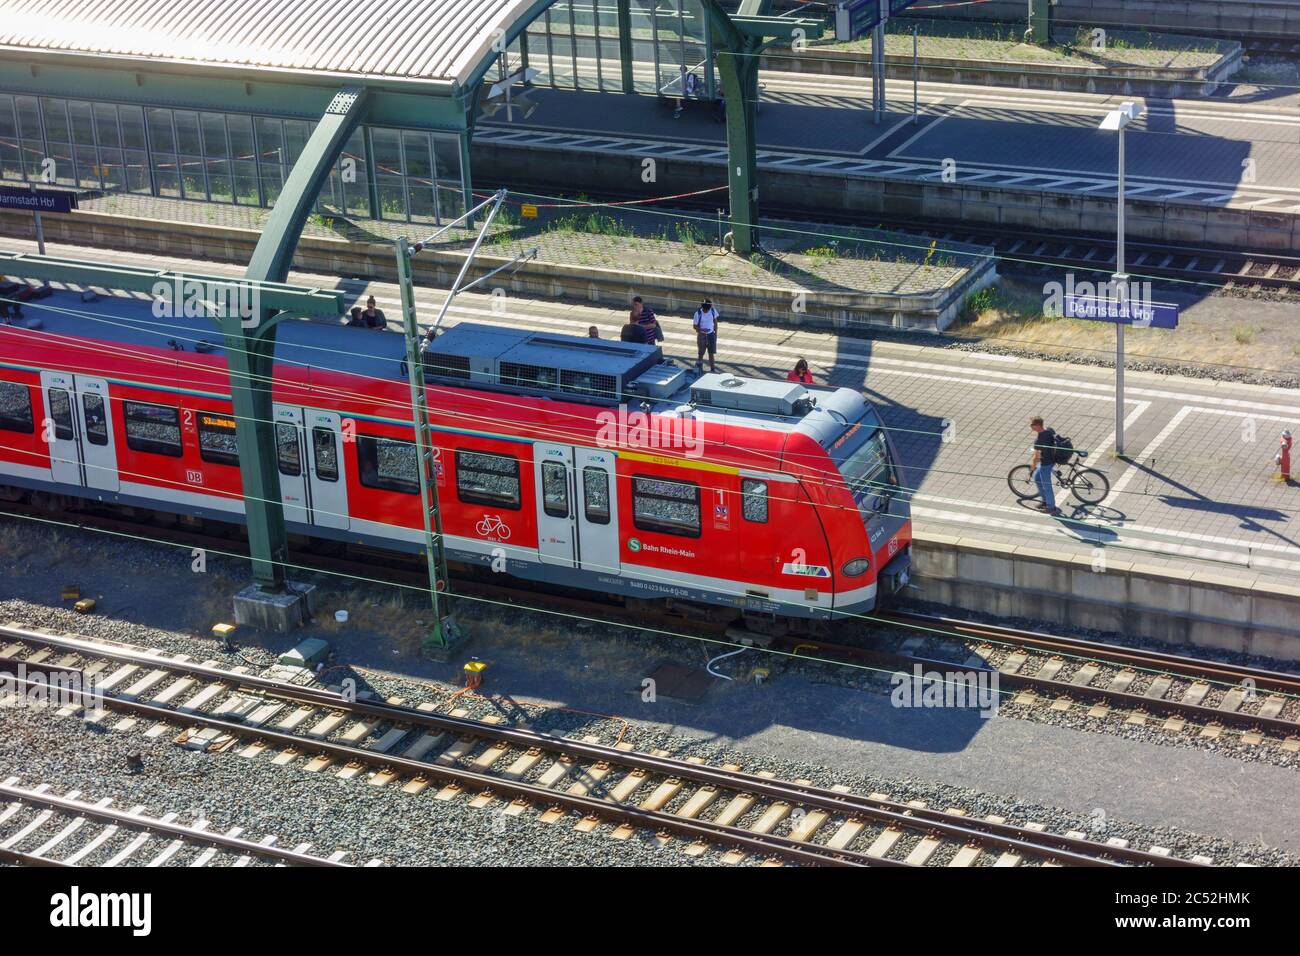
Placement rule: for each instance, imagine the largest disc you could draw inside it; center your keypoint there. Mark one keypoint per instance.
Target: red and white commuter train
(583, 462)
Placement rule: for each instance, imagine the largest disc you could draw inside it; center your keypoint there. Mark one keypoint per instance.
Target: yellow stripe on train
(670, 462)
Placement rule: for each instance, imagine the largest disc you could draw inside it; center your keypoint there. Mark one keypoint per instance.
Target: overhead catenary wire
(397, 403)
(901, 489)
(918, 246)
(718, 642)
(1009, 341)
(893, 487)
(808, 54)
(665, 576)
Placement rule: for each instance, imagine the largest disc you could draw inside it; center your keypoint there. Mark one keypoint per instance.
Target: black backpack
(1064, 450)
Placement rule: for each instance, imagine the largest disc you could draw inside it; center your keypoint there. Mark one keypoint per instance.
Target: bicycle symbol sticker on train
(491, 526)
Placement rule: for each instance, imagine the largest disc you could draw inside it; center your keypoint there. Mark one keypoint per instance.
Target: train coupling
(897, 574)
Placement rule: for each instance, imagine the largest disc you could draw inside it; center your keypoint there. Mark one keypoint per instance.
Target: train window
(60, 413)
(753, 500)
(16, 408)
(217, 439)
(155, 429)
(326, 452)
(487, 479)
(555, 489)
(92, 409)
(595, 494)
(288, 449)
(387, 464)
(869, 474)
(672, 507)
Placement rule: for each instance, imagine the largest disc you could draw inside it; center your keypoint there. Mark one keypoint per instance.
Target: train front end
(864, 504)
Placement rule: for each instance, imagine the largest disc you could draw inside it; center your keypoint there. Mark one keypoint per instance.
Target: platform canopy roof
(439, 42)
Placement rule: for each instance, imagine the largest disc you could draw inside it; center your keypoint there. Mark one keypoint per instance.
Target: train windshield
(869, 472)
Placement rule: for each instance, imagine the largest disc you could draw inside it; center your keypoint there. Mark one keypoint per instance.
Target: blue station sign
(1155, 315)
(856, 18)
(29, 199)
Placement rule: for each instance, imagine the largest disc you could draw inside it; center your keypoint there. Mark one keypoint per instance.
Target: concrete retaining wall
(898, 198)
(1231, 18)
(1132, 81)
(1204, 608)
(933, 311)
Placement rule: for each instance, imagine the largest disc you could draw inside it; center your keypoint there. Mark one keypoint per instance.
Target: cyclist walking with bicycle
(1051, 451)
(1044, 463)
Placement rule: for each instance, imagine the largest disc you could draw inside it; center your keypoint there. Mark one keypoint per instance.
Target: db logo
(194, 477)
(893, 546)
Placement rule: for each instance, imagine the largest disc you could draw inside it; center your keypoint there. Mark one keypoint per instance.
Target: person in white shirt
(706, 333)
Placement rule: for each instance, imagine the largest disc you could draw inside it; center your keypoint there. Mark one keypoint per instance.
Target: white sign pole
(40, 233)
(1121, 280)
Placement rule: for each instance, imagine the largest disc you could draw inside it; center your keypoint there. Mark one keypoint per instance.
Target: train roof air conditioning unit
(566, 366)
(725, 390)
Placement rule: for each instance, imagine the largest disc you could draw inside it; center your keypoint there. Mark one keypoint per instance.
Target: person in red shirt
(800, 373)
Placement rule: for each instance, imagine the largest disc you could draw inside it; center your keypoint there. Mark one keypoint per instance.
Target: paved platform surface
(1241, 149)
(1198, 494)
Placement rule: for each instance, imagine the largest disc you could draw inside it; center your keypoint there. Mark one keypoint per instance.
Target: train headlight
(856, 568)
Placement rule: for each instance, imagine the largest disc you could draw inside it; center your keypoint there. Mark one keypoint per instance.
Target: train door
(309, 457)
(290, 444)
(597, 509)
(97, 444)
(80, 427)
(556, 512)
(325, 479)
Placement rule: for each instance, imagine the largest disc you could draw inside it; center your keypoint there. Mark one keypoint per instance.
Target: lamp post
(1116, 121)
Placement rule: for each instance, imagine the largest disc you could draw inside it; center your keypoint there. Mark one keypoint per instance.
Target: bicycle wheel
(1020, 480)
(1090, 486)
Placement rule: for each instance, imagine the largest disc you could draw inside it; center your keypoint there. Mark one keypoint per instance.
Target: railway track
(1218, 701)
(1285, 47)
(1183, 693)
(518, 769)
(1045, 255)
(41, 828)
(1026, 252)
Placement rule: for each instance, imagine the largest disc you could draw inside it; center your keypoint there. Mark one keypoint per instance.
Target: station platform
(1218, 171)
(1247, 18)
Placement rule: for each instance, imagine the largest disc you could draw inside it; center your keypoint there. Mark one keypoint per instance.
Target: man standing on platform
(1044, 463)
(706, 333)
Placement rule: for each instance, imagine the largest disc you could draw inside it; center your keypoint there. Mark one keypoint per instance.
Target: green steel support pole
(372, 180)
(442, 633)
(250, 357)
(1040, 22)
(466, 174)
(523, 50)
(625, 44)
(250, 351)
(274, 252)
(737, 59)
(292, 300)
(738, 71)
(710, 59)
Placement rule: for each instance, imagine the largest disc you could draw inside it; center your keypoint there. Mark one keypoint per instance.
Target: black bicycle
(1088, 485)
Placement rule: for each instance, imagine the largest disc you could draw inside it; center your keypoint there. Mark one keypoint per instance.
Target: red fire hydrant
(1283, 458)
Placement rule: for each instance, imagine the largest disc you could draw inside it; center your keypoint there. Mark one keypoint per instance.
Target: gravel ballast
(148, 596)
